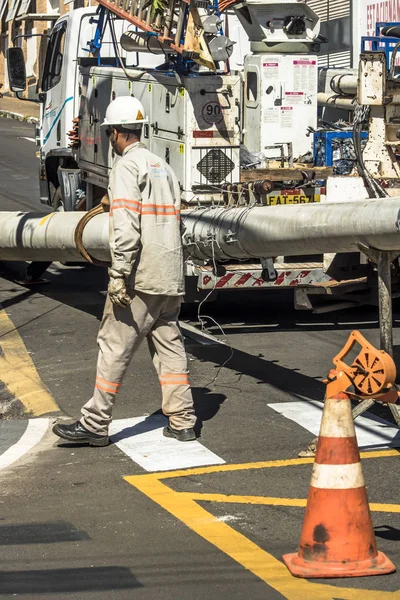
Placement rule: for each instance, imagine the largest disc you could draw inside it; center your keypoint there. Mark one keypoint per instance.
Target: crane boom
(175, 23)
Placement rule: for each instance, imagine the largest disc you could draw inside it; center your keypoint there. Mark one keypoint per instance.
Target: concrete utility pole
(39, 237)
(371, 226)
(265, 231)
(218, 233)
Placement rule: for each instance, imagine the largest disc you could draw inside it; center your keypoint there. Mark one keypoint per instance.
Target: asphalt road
(72, 528)
(19, 186)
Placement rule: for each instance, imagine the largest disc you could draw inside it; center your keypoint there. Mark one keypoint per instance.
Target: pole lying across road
(51, 237)
(229, 233)
(266, 231)
(218, 233)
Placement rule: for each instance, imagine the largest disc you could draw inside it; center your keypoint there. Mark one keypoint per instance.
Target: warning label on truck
(305, 75)
(286, 116)
(271, 70)
(271, 115)
(294, 98)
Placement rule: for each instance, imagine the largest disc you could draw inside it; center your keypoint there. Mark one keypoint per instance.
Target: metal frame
(327, 138)
(383, 261)
(381, 43)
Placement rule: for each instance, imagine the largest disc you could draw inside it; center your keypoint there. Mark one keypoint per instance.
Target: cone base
(298, 567)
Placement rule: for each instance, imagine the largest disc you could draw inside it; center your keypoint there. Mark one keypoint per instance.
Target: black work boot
(76, 432)
(182, 435)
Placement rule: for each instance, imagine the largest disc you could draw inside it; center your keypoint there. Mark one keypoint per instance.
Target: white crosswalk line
(371, 431)
(30, 139)
(35, 430)
(141, 438)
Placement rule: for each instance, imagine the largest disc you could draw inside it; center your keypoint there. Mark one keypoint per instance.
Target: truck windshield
(54, 58)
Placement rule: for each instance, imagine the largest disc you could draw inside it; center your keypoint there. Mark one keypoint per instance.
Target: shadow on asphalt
(67, 580)
(143, 427)
(265, 371)
(290, 381)
(206, 404)
(17, 299)
(40, 533)
(386, 532)
(80, 287)
(83, 288)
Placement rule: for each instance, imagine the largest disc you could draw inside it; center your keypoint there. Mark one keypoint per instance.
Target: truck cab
(72, 45)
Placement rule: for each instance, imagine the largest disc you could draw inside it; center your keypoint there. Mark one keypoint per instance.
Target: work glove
(117, 292)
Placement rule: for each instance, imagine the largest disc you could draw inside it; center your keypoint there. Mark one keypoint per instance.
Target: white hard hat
(125, 111)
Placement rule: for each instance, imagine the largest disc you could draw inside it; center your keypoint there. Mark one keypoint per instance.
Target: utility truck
(199, 114)
(231, 116)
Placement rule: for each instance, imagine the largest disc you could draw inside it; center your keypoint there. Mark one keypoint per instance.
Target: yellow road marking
(268, 501)
(291, 462)
(183, 506)
(262, 564)
(19, 374)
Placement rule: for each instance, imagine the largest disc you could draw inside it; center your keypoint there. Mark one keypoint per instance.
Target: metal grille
(335, 18)
(330, 9)
(320, 7)
(215, 166)
(338, 60)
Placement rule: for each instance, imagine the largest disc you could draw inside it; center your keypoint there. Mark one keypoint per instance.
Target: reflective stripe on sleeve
(166, 210)
(160, 210)
(128, 204)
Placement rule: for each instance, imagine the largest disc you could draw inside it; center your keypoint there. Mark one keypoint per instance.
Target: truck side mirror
(16, 69)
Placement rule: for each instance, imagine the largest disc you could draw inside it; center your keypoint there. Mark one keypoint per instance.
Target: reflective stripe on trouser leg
(120, 334)
(167, 348)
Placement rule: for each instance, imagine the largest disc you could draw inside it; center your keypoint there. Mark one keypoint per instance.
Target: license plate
(292, 199)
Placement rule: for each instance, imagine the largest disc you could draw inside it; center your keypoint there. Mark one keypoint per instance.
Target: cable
(114, 39)
(393, 61)
(361, 114)
(87, 216)
(201, 318)
(116, 47)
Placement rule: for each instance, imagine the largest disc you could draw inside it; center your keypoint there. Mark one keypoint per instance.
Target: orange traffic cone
(337, 539)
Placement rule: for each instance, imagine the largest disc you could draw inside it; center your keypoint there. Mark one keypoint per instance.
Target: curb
(7, 114)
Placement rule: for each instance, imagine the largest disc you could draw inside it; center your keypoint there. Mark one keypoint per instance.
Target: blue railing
(380, 43)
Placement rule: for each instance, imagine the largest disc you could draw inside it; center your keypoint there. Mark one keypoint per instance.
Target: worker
(146, 282)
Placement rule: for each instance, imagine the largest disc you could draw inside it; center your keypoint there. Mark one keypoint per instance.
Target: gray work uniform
(146, 248)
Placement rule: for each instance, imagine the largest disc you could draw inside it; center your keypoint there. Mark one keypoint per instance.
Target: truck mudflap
(250, 276)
